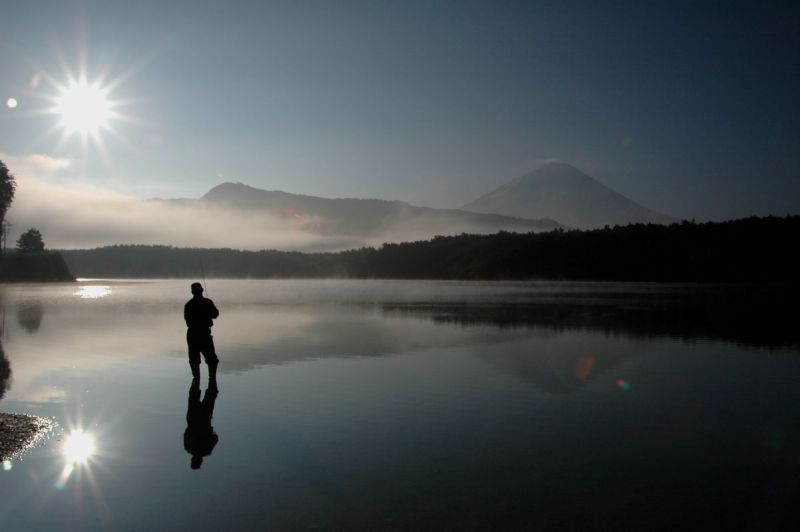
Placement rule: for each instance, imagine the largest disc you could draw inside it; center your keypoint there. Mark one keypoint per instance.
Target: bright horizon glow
(84, 108)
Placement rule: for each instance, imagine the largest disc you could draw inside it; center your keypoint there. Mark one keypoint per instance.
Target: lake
(407, 405)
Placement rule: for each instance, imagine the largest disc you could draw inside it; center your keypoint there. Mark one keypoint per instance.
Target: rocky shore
(19, 432)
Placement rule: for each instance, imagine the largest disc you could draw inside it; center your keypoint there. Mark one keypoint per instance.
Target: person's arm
(186, 313)
(213, 312)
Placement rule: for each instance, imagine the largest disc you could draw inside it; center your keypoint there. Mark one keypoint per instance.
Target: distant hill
(357, 221)
(562, 192)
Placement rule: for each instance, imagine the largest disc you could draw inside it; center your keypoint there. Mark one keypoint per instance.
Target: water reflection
(199, 438)
(77, 450)
(436, 400)
(756, 316)
(5, 372)
(93, 291)
(559, 341)
(560, 338)
(29, 315)
(559, 363)
(78, 447)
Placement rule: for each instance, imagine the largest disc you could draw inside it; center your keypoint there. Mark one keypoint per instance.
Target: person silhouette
(199, 437)
(199, 313)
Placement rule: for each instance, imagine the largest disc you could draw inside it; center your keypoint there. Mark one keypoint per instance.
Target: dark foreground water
(372, 405)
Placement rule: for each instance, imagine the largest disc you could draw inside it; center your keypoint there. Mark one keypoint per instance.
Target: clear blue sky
(689, 108)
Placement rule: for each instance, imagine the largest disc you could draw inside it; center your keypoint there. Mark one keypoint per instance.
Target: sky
(689, 108)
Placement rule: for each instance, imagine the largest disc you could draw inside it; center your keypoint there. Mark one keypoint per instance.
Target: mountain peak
(557, 167)
(559, 191)
(226, 188)
(557, 172)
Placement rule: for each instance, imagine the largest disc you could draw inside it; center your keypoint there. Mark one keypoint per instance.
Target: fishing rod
(203, 271)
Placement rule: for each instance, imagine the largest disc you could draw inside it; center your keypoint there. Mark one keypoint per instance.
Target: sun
(85, 105)
(83, 108)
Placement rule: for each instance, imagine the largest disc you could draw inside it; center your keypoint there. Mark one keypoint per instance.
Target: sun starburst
(83, 108)
(85, 105)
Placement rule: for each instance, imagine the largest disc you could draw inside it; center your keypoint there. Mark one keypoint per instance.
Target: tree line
(746, 250)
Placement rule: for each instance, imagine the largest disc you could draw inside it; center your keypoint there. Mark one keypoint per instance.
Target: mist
(72, 213)
(85, 217)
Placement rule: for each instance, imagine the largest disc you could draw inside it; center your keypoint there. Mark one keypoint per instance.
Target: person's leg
(194, 356)
(195, 367)
(210, 354)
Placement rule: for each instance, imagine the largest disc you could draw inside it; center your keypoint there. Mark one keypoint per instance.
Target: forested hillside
(747, 250)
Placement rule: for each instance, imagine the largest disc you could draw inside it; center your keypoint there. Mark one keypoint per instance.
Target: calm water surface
(372, 405)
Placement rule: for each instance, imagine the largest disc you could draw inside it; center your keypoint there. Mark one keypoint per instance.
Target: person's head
(197, 289)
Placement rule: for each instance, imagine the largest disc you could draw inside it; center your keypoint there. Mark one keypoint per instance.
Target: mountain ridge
(352, 221)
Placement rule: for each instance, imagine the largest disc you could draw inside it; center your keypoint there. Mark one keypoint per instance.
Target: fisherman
(199, 313)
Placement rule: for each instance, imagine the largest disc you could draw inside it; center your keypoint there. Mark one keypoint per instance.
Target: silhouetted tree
(7, 187)
(30, 241)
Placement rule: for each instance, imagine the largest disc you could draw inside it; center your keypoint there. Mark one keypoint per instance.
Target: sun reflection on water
(93, 291)
(78, 449)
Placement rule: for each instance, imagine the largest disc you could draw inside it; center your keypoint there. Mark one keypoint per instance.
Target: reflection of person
(5, 372)
(199, 437)
(199, 313)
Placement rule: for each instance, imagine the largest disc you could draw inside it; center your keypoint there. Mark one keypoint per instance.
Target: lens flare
(583, 367)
